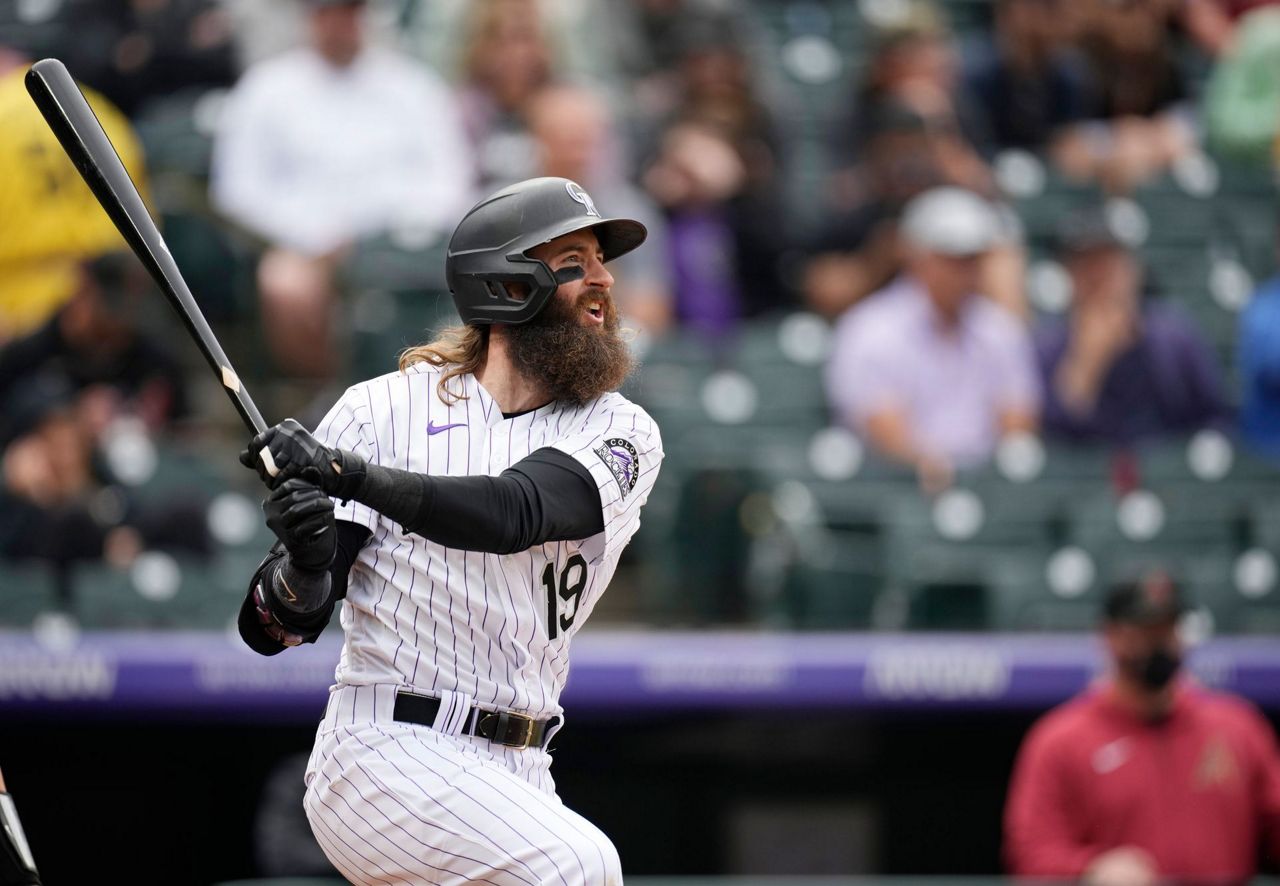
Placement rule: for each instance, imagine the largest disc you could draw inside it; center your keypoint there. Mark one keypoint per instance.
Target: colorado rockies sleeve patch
(621, 459)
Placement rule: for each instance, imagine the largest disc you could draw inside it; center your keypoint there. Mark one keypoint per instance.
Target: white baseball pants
(398, 803)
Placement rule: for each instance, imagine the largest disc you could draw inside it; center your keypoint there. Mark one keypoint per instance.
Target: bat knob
(268, 462)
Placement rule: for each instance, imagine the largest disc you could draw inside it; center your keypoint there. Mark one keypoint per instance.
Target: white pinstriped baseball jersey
(495, 628)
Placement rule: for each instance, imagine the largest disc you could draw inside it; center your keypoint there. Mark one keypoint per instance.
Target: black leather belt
(501, 727)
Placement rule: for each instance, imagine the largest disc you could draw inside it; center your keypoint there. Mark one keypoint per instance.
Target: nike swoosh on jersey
(433, 429)
(1111, 756)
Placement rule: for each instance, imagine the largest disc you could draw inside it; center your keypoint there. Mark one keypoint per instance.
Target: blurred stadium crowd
(953, 314)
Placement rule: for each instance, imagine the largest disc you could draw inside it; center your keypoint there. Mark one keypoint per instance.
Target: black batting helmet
(490, 247)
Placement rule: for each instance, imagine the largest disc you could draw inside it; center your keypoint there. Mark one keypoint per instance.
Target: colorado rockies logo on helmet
(620, 457)
(577, 192)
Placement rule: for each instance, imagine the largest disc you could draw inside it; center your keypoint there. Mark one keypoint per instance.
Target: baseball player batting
(483, 495)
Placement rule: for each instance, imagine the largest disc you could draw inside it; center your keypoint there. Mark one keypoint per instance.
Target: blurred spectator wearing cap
(324, 145)
(49, 220)
(927, 370)
(1145, 777)
(574, 133)
(1123, 366)
(1259, 361)
(911, 129)
(713, 169)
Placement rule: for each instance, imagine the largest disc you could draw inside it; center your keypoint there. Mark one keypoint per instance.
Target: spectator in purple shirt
(1122, 367)
(930, 372)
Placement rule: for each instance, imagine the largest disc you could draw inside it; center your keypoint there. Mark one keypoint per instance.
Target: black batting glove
(297, 454)
(301, 516)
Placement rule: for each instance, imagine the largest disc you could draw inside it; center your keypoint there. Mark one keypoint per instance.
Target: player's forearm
(545, 497)
(270, 621)
(1077, 383)
(301, 592)
(286, 606)
(890, 434)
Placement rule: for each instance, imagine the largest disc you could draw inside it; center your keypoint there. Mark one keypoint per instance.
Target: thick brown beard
(575, 363)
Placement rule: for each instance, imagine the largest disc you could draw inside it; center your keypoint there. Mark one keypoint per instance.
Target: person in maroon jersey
(1146, 776)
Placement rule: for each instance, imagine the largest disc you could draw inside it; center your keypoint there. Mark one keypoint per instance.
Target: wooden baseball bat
(72, 120)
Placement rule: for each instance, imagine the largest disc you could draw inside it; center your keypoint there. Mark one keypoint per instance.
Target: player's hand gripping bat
(72, 120)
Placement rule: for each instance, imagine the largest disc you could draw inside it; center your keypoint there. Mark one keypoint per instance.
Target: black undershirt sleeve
(546, 496)
(351, 539)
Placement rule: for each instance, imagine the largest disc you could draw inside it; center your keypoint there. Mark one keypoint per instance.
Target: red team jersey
(1199, 790)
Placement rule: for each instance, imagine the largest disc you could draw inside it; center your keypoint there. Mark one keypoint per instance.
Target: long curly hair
(459, 350)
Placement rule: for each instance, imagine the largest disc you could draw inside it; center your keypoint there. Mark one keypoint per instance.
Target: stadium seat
(943, 587)
(699, 563)
(385, 322)
(1064, 589)
(832, 581)
(26, 590)
(217, 266)
(1044, 590)
(1241, 593)
(1266, 522)
(395, 298)
(1166, 519)
(936, 552)
(157, 591)
(1212, 464)
(973, 518)
(1076, 465)
(175, 135)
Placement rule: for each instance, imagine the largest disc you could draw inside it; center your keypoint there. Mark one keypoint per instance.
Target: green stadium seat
(386, 322)
(218, 268)
(1199, 517)
(1266, 522)
(1241, 593)
(1064, 589)
(1003, 516)
(1076, 465)
(699, 564)
(1178, 218)
(163, 592)
(937, 551)
(1044, 590)
(833, 582)
(941, 587)
(864, 502)
(1209, 462)
(26, 590)
(173, 136)
(394, 297)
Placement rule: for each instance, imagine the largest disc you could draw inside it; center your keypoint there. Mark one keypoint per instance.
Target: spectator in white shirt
(930, 372)
(324, 145)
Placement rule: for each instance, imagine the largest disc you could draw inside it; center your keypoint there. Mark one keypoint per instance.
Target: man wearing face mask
(1146, 776)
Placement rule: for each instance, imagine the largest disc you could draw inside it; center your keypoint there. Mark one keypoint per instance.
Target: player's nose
(597, 274)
